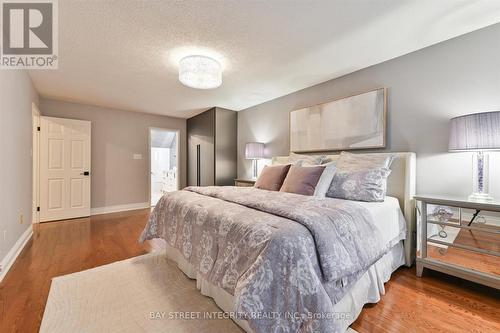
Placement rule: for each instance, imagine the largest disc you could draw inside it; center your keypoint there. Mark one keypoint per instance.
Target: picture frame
(349, 123)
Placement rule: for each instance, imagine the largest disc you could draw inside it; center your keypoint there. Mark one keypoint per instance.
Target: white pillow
(325, 180)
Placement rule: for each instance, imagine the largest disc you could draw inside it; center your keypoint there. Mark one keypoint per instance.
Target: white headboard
(401, 185)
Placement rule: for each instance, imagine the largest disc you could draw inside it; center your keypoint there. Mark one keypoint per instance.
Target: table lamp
(480, 133)
(254, 151)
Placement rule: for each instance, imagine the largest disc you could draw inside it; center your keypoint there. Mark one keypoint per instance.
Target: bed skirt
(367, 289)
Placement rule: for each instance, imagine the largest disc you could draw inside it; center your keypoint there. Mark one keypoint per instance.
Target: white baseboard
(14, 252)
(119, 208)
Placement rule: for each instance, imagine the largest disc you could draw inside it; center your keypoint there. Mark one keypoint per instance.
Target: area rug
(143, 294)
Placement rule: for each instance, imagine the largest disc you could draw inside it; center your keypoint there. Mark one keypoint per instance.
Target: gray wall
(16, 97)
(118, 179)
(425, 89)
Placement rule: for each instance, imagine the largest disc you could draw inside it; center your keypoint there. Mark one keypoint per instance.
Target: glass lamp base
(255, 167)
(480, 197)
(480, 177)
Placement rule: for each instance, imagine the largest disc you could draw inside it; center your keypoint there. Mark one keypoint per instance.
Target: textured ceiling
(123, 54)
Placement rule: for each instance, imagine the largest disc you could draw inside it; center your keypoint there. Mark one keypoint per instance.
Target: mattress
(388, 219)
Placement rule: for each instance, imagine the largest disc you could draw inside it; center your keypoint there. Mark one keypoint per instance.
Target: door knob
(85, 173)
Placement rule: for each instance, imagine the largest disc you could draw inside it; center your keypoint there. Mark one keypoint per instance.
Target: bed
(268, 260)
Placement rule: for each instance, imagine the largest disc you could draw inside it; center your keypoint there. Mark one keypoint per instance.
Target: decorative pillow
(353, 162)
(300, 160)
(325, 159)
(325, 180)
(284, 161)
(307, 159)
(302, 180)
(271, 178)
(360, 185)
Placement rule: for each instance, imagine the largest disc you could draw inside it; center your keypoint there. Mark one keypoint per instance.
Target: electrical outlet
(21, 219)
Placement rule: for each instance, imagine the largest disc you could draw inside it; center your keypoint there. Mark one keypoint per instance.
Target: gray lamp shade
(254, 150)
(478, 131)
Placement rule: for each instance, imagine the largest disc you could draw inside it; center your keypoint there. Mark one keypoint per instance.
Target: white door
(64, 169)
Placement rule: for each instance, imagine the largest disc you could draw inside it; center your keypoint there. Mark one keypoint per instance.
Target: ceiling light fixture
(200, 72)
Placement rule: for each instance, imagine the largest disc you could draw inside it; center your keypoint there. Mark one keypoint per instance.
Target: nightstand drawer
(244, 182)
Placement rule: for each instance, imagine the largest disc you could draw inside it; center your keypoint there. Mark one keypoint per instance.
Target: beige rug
(143, 294)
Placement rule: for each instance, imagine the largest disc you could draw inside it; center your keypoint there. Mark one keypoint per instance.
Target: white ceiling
(123, 54)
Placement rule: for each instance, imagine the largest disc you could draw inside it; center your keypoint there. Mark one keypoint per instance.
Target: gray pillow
(360, 185)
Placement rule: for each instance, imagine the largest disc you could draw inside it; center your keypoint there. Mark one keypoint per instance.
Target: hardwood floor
(433, 303)
(59, 248)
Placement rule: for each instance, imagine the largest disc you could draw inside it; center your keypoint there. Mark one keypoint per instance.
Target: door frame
(35, 155)
(177, 138)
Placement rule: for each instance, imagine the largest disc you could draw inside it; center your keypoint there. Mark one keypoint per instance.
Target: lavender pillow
(360, 185)
(302, 180)
(271, 178)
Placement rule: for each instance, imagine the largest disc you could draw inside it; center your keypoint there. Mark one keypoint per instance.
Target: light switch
(137, 157)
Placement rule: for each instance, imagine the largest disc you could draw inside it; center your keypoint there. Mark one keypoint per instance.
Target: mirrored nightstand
(459, 237)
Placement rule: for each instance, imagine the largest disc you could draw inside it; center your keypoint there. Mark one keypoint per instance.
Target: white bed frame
(401, 185)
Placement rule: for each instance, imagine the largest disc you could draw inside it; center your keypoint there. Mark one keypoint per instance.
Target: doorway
(164, 159)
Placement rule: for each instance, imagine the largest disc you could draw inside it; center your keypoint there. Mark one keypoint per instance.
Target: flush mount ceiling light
(200, 72)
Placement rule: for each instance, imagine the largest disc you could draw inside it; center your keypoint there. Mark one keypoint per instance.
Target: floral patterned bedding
(286, 258)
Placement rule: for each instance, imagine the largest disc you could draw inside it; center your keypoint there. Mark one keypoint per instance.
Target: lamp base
(480, 197)
(255, 171)
(480, 177)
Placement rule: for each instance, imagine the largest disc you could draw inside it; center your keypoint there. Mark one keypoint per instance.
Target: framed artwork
(355, 122)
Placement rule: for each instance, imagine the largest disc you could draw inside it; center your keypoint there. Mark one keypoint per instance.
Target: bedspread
(286, 258)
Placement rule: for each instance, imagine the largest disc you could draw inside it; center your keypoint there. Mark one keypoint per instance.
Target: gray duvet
(286, 258)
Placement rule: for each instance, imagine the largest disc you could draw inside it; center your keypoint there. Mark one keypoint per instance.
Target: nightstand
(244, 182)
(459, 237)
